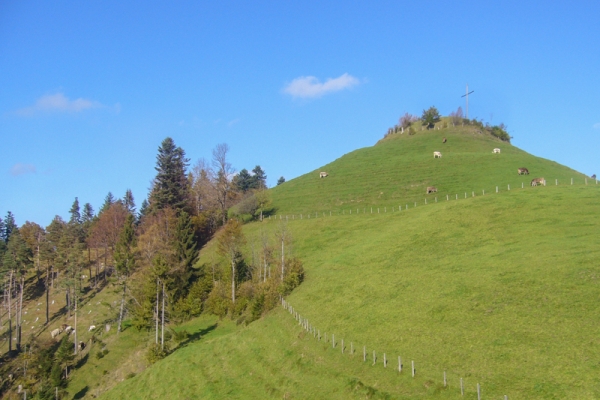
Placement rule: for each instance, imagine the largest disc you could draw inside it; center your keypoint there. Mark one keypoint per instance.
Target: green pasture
(500, 290)
(398, 170)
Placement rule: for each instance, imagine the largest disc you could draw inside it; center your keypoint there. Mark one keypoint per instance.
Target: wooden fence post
(445, 384)
(484, 192)
(384, 361)
(478, 392)
(374, 357)
(425, 200)
(399, 364)
(364, 353)
(462, 390)
(447, 198)
(496, 189)
(509, 187)
(342, 346)
(413, 368)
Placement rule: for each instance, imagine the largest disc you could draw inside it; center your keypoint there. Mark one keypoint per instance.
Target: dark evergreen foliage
(129, 202)
(88, 213)
(280, 180)
(430, 117)
(109, 200)
(171, 184)
(9, 226)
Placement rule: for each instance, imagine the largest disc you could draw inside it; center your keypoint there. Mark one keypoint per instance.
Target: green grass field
(500, 289)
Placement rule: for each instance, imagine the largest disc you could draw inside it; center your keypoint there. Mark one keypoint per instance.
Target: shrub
(156, 353)
(430, 117)
(294, 276)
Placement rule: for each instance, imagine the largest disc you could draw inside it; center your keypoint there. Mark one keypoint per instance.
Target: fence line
(393, 208)
(304, 322)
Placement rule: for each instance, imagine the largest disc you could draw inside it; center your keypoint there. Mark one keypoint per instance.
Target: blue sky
(90, 89)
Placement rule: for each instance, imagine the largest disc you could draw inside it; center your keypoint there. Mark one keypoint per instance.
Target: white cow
(437, 154)
(92, 327)
(55, 333)
(323, 175)
(496, 150)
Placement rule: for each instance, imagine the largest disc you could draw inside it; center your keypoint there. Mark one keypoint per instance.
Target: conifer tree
(144, 209)
(9, 226)
(125, 258)
(280, 180)
(186, 253)
(129, 202)
(109, 200)
(88, 213)
(259, 179)
(171, 183)
(75, 213)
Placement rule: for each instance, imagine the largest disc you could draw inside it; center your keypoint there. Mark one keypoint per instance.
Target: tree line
(152, 254)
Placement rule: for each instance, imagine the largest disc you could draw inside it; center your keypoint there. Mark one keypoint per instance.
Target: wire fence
(400, 206)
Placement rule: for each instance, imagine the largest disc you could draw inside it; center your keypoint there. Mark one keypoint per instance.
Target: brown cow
(523, 171)
(444, 140)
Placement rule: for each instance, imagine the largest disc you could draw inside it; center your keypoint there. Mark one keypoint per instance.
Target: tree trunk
(233, 279)
(47, 294)
(75, 330)
(156, 309)
(122, 306)
(20, 316)
(90, 264)
(162, 333)
(68, 300)
(10, 312)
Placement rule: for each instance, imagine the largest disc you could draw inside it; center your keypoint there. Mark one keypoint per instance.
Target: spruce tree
(280, 180)
(9, 226)
(109, 200)
(186, 252)
(171, 184)
(75, 214)
(88, 213)
(129, 202)
(259, 179)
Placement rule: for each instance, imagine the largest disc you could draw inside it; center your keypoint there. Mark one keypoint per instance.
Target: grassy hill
(399, 168)
(500, 289)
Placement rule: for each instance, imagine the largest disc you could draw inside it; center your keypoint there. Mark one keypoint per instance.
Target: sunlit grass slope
(501, 290)
(399, 168)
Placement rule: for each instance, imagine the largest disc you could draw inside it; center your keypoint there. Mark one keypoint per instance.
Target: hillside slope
(497, 289)
(400, 167)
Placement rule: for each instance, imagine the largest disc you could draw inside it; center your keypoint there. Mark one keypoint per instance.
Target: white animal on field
(55, 333)
(323, 174)
(437, 154)
(431, 189)
(538, 181)
(68, 329)
(496, 150)
(92, 327)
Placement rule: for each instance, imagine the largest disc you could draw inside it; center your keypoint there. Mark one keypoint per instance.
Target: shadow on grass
(198, 335)
(81, 362)
(81, 394)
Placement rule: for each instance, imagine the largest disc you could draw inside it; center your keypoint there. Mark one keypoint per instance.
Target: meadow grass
(500, 290)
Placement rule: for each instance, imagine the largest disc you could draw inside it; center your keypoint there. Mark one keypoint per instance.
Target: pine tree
(88, 213)
(259, 179)
(75, 214)
(280, 180)
(129, 202)
(144, 209)
(9, 226)
(109, 200)
(186, 252)
(171, 184)
(1, 230)
(243, 181)
(125, 258)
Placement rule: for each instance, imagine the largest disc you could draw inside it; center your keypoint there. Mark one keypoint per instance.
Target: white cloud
(310, 86)
(597, 125)
(59, 103)
(22, 169)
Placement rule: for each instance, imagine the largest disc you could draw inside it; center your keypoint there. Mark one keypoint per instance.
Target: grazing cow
(92, 327)
(523, 171)
(81, 346)
(496, 150)
(68, 329)
(444, 140)
(437, 154)
(63, 327)
(538, 181)
(431, 189)
(55, 333)
(323, 175)
(594, 176)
